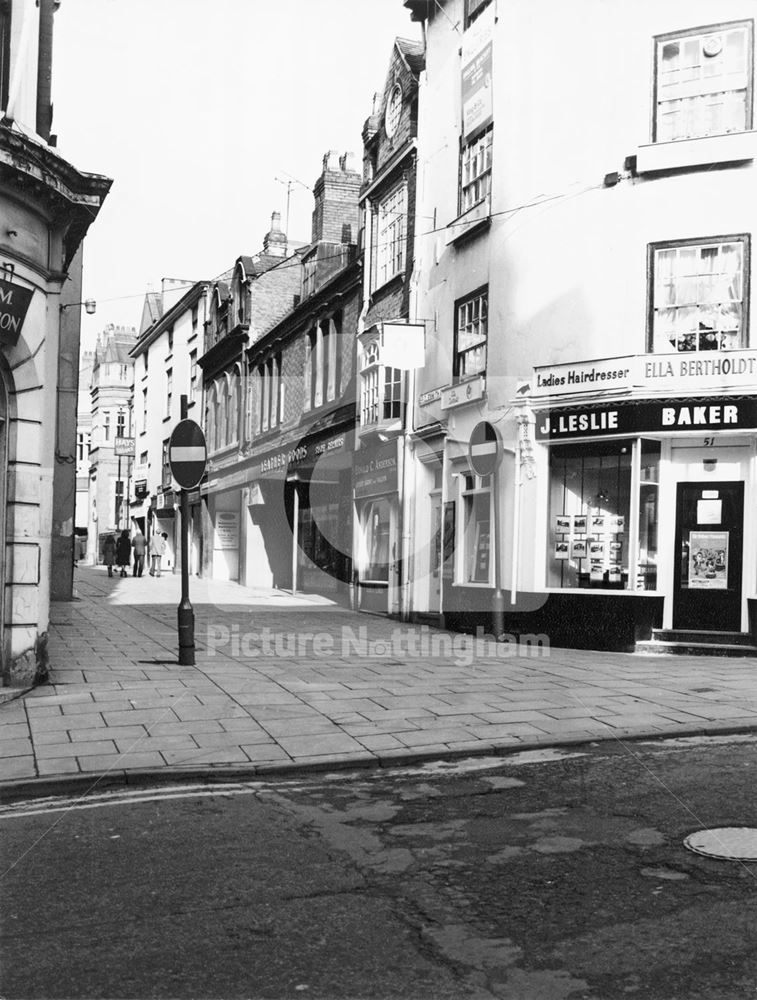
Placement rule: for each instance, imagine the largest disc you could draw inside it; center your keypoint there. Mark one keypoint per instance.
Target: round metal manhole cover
(731, 843)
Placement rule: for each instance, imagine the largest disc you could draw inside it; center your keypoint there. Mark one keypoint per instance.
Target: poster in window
(596, 549)
(578, 549)
(617, 524)
(481, 548)
(598, 522)
(562, 550)
(597, 572)
(579, 522)
(708, 560)
(709, 511)
(613, 574)
(448, 541)
(563, 524)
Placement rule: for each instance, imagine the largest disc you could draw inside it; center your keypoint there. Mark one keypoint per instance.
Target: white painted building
(165, 368)
(586, 191)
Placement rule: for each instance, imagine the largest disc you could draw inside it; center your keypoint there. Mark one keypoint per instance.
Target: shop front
(378, 527)
(647, 496)
(299, 514)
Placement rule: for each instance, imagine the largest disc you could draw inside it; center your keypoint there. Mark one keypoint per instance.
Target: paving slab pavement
(299, 682)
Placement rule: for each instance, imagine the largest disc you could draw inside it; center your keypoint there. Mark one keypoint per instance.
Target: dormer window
(393, 111)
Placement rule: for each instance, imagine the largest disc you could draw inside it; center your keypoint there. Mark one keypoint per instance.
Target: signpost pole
(185, 614)
(119, 496)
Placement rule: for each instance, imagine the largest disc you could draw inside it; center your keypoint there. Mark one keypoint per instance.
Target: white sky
(194, 107)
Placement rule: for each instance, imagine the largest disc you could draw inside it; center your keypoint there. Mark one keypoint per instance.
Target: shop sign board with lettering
(647, 417)
(14, 303)
(708, 371)
(376, 470)
(464, 392)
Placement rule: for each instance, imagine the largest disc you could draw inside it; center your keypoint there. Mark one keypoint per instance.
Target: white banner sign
(710, 371)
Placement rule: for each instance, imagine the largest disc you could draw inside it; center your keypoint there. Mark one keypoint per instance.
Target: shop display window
(477, 529)
(649, 480)
(589, 516)
(377, 534)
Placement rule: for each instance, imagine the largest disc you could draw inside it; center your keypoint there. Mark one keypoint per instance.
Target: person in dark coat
(123, 551)
(109, 553)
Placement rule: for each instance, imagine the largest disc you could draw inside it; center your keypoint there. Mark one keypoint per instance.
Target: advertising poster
(563, 523)
(227, 530)
(708, 560)
(579, 522)
(578, 550)
(562, 550)
(477, 74)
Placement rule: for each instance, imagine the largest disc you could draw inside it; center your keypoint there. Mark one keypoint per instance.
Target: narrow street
(550, 875)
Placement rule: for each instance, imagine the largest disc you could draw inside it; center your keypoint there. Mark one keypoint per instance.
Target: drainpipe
(44, 69)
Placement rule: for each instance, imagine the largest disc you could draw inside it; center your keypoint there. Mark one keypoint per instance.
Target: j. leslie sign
(715, 413)
(14, 302)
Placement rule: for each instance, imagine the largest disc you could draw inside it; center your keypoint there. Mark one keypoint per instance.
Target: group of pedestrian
(119, 552)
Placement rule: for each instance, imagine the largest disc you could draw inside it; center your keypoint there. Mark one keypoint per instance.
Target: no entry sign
(187, 454)
(484, 450)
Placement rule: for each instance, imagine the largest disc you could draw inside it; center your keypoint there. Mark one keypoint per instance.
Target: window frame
(660, 40)
(484, 135)
(465, 570)
(652, 250)
(390, 245)
(393, 112)
(471, 15)
(479, 293)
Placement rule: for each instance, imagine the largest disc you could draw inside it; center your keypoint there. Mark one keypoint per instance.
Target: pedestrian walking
(123, 552)
(157, 548)
(139, 545)
(109, 553)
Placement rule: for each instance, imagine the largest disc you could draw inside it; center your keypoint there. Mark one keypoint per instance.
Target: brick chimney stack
(335, 216)
(275, 241)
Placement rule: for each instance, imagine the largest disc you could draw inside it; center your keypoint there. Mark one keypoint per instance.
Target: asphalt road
(541, 877)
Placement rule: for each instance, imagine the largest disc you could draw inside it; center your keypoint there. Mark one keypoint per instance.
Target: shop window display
(477, 529)
(589, 516)
(649, 478)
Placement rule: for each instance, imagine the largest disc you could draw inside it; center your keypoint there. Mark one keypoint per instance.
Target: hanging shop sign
(708, 371)
(376, 470)
(14, 303)
(647, 417)
(476, 78)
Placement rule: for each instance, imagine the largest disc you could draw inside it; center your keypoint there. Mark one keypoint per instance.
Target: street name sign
(484, 449)
(187, 454)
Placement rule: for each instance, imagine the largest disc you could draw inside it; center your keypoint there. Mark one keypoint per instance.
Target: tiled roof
(412, 53)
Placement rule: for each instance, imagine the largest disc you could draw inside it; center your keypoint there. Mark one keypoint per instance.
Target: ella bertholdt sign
(14, 302)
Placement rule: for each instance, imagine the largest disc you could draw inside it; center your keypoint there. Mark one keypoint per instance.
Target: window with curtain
(698, 295)
(703, 82)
